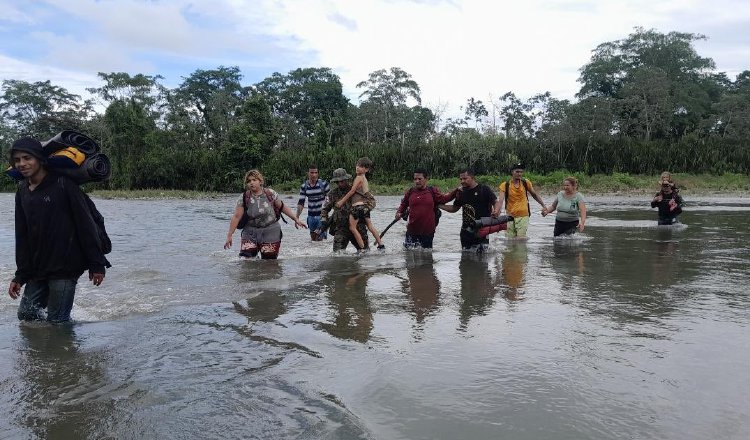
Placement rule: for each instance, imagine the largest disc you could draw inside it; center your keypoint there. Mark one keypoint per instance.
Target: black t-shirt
(476, 202)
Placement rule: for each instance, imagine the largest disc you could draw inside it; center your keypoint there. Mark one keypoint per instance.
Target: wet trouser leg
(313, 223)
(343, 236)
(54, 295)
(416, 240)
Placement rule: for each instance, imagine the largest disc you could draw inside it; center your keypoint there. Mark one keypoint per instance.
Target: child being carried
(362, 203)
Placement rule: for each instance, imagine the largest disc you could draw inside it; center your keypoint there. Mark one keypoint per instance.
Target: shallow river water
(627, 331)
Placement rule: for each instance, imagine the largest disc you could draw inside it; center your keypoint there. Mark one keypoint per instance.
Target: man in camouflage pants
(339, 219)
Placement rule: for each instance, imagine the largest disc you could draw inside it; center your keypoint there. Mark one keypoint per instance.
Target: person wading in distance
(314, 190)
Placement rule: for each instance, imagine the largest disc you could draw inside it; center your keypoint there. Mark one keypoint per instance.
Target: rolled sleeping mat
(70, 138)
(70, 157)
(489, 225)
(492, 221)
(95, 168)
(487, 230)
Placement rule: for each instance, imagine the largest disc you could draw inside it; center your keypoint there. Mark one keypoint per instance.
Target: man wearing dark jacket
(669, 204)
(56, 238)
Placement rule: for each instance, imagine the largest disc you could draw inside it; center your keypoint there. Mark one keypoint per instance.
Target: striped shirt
(315, 194)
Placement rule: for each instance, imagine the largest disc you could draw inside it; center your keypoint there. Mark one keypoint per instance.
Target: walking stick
(404, 216)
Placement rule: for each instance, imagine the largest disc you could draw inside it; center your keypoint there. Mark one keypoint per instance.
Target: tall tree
(215, 95)
(732, 112)
(625, 69)
(515, 113)
(476, 111)
(386, 91)
(128, 126)
(613, 62)
(141, 89)
(646, 107)
(311, 99)
(40, 108)
(251, 139)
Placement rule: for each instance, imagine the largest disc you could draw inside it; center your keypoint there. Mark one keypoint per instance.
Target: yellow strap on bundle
(71, 153)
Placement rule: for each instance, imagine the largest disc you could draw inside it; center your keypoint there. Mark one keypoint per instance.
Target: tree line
(647, 102)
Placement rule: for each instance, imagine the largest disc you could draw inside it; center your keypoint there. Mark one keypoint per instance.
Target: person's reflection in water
(568, 261)
(347, 293)
(513, 270)
(477, 286)
(270, 303)
(55, 374)
(665, 266)
(422, 284)
(259, 270)
(264, 307)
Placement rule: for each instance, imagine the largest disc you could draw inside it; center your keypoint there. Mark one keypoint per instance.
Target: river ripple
(627, 331)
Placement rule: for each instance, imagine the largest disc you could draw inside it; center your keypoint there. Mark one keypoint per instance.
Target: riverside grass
(599, 184)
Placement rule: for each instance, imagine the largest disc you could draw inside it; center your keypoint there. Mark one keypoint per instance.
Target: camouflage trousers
(343, 237)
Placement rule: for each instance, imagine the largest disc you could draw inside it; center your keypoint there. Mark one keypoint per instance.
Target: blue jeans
(313, 223)
(54, 295)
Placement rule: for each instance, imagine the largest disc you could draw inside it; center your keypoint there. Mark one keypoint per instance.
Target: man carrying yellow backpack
(515, 194)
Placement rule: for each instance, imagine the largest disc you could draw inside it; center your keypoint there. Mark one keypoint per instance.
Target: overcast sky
(454, 49)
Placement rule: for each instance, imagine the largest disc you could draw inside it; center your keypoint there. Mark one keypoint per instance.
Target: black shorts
(360, 212)
(567, 228)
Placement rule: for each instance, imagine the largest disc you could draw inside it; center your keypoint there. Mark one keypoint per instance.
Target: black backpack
(438, 211)
(101, 230)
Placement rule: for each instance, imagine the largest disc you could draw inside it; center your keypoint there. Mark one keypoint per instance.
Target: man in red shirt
(422, 202)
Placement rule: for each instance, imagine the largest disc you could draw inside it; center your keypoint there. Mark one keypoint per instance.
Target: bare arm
(550, 209)
(501, 196)
(582, 222)
(288, 211)
(302, 197)
(238, 211)
(495, 210)
(536, 197)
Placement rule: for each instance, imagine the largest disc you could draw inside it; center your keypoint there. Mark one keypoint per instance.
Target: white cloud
(473, 48)
(454, 49)
(74, 82)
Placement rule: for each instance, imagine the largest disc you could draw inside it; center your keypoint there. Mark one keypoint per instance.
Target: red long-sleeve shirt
(421, 204)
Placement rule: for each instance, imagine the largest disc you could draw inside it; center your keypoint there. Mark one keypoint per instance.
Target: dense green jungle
(648, 102)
